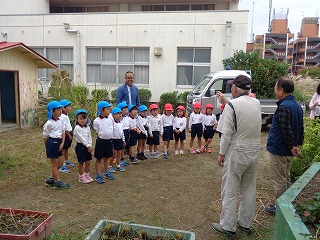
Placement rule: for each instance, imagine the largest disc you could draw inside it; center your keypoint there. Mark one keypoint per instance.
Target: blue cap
(101, 105)
(81, 111)
(122, 105)
(228, 68)
(143, 108)
(52, 105)
(65, 102)
(116, 110)
(131, 106)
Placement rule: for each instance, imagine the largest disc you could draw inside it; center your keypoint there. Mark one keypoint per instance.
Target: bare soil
(307, 194)
(182, 192)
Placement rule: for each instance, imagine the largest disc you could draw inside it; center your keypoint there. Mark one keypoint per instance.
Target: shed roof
(41, 61)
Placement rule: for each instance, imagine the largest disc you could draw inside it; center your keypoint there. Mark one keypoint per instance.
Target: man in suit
(128, 91)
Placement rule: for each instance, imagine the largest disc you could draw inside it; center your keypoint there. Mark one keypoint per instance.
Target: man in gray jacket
(240, 125)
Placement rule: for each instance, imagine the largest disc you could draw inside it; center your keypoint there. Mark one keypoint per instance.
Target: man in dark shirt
(285, 136)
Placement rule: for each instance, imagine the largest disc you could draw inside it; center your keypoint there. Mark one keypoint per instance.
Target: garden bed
(288, 222)
(114, 230)
(24, 224)
(310, 211)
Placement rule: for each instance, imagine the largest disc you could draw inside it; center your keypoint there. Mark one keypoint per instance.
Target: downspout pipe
(228, 23)
(78, 51)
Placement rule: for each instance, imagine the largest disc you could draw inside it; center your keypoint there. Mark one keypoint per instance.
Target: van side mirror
(212, 92)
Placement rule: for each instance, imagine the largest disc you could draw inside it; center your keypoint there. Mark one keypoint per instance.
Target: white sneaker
(181, 152)
(151, 155)
(176, 152)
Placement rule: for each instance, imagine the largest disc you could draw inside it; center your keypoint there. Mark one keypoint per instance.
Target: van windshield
(201, 85)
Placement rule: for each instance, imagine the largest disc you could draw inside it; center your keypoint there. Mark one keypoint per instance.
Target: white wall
(168, 30)
(24, 7)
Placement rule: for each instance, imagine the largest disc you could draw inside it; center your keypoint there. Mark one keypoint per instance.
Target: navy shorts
(196, 129)
(208, 132)
(117, 144)
(103, 149)
(126, 133)
(133, 138)
(67, 141)
(155, 140)
(52, 148)
(141, 135)
(82, 153)
(180, 136)
(167, 133)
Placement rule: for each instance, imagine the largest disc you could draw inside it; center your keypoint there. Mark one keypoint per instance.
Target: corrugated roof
(41, 61)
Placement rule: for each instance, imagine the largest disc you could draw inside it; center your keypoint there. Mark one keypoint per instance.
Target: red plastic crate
(39, 233)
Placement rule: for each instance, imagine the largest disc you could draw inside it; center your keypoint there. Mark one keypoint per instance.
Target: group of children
(122, 129)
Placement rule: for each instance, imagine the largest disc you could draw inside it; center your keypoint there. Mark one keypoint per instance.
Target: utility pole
(252, 17)
(270, 8)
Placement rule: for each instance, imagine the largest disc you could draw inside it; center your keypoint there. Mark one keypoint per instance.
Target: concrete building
(19, 85)
(278, 44)
(169, 45)
(307, 47)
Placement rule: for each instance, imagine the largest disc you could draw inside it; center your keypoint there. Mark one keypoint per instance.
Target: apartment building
(307, 47)
(278, 44)
(169, 45)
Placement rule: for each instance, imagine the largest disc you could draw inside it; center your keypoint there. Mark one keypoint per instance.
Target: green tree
(264, 72)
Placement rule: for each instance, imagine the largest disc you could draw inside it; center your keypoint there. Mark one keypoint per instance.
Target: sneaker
(108, 174)
(87, 175)
(165, 155)
(192, 151)
(216, 227)
(208, 150)
(121, 169)
(99, 178)
(198, 151)
(151, 155)
(69, 164)
(139, 156)
(123, 163)
(64, 169)
(83, 179)
(49, 182)
(176, 152)
(134, 161)
(111, 169)
(61, 185)
(144, 157)
(246, 231)
(202, 149)
(271, 209)
(181, 152)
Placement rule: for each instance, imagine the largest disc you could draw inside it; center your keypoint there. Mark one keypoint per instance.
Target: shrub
(310, 149)
(113, 95)
(79, 94)
(301, 96)
(60, 85)
(313, 72)
(100, 94)
(264, 72)
(182, 98)
(169, 97)
(145, 96)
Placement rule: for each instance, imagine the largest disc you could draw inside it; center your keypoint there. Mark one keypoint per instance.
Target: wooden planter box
(288, 222)
(40, 232)
(97, 231)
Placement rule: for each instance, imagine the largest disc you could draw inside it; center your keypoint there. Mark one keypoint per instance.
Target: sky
(298, 9)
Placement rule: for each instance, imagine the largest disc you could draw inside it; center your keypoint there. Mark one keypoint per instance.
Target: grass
(180, 193)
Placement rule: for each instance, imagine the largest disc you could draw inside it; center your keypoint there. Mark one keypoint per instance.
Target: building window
(108, 65)
(179, 7)
(192, 65)
(62, 57)
(79, 9)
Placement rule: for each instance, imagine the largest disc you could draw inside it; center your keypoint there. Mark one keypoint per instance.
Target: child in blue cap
(66, 108)
(53, 138)
(82, 135)
(142, 123)
(118, 137)
(134, 131)
(103, 125)
(126, 131)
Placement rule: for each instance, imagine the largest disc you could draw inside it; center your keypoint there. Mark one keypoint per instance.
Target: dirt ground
(182, 192)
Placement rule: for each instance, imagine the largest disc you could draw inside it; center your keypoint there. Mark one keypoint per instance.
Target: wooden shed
(19, 84)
